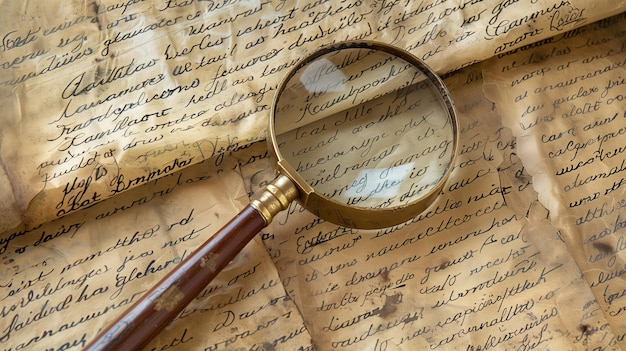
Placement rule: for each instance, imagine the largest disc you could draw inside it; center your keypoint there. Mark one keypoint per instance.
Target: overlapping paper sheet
(101, 97)
(132, 130)
(565, 103)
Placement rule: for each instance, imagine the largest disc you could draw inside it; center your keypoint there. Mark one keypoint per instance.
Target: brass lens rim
(340, 213)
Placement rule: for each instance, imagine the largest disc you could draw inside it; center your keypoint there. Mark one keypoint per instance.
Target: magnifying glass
(362, 134)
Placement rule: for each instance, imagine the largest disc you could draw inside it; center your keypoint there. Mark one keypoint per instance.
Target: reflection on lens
(365, 128)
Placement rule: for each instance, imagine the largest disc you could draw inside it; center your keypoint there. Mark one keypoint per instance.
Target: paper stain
(391, 305)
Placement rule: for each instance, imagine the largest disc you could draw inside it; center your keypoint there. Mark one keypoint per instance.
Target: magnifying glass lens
(365, 128)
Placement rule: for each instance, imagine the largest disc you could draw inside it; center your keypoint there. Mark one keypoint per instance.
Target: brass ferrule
(275, 197)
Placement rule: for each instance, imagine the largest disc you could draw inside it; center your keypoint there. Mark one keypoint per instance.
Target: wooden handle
(149, 315)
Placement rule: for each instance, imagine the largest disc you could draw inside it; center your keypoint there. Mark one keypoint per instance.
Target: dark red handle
(149, 315)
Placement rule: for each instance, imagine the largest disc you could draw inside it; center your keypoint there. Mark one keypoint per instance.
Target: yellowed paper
(129, 135)
(65, 280)
(565, 103)
(481, 269)
(102, 97)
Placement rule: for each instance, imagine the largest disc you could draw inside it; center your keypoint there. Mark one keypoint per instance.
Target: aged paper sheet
(65, 280)
(564, 101)
(481, 269)
(132, 130)
(101, 97)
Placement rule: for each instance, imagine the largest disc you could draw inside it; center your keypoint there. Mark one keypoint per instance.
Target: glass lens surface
(365, 128)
